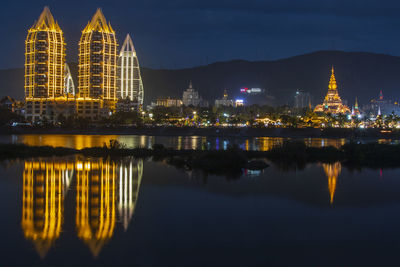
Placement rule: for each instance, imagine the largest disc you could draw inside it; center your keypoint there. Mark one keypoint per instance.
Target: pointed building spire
(190, 84)
(379, 111)
(332, 81)
(128, 45)
(356, 104)
(46, 21)
(99, 23)
(380, 95)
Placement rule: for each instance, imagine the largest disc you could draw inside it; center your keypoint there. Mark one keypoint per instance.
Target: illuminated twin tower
(104, 77)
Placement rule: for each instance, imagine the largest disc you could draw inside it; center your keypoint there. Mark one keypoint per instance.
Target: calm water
(85, 211)
(176, 142)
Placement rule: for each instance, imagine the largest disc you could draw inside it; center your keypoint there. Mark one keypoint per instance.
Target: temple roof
(98, 23)
(46, 21)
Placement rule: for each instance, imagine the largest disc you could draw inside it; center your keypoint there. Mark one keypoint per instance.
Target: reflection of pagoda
(332, 102)
(44, 187)
(332, 171)
(130, 177)
(96, 197)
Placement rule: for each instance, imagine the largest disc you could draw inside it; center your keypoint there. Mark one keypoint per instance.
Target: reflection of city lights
(332, 172)
(79, 166)
(44, 189)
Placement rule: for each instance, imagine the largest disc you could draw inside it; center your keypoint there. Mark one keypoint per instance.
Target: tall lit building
(44, 67)
(332, 102)
(97, 70)
(130, 84)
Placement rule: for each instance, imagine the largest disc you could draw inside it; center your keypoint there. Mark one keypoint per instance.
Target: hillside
(358, 74)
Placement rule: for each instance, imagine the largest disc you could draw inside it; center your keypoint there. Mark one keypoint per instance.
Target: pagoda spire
(332, 81)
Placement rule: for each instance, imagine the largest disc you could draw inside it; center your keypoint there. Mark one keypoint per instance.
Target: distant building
(385, 106)
(355, 110)
(69, 86)
(126, 105)
(239, 103)
(225, 102)
(302, 99)
(8, 103)
(332, 103)
(256, 96)
(168, 102)
(191, 96)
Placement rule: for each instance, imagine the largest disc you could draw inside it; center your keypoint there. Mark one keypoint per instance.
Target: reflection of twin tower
(102, 186)
(103, 76)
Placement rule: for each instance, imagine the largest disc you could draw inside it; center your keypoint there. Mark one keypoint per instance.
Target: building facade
(332, 102)
(302, 99)
(44, 68)
(130, 84)
(168, 102)
(224, 101)
(97, 69)
(191, 96)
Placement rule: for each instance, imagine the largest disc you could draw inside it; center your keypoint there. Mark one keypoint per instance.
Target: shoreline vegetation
(289, 154)
(348, 133)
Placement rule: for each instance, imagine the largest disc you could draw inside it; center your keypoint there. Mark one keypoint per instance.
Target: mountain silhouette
(358, 74)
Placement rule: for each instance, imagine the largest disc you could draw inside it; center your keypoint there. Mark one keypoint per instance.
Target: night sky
(184, 33)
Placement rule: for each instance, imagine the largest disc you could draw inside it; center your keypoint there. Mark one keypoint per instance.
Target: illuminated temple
(332, 102)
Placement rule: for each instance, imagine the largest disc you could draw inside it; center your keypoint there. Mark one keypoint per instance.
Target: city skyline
(268, 30)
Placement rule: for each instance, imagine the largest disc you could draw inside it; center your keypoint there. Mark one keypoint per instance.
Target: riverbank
(232, 160)
(215, 132)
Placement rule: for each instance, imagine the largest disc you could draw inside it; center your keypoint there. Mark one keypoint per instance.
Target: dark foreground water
(78, 211)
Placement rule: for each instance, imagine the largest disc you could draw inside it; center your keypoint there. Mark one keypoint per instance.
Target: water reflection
(100, 184)
(332, 172)
(176, 142)
(45, 183)
(95, 198)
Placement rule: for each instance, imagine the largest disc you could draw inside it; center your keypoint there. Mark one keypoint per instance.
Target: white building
(191, 96)
(225, 102)
(130, 84)
(69, 87)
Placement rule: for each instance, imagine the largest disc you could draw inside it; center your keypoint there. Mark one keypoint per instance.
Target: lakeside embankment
(216, 132)
(232, 160)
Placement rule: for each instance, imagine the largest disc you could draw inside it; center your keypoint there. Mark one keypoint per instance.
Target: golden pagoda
(332, 102)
